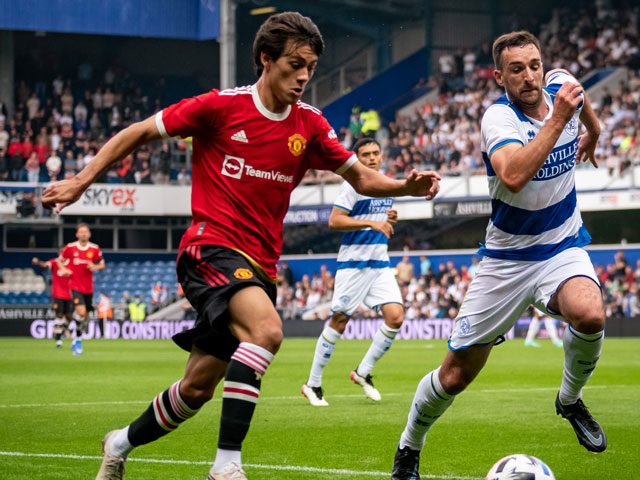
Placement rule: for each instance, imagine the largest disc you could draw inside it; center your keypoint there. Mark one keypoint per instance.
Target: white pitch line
(288, 468)
(299, 397)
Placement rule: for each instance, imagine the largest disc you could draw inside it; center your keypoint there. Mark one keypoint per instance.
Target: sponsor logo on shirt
(232, 166)
(297, 144)
(235, 167)
(558, 162)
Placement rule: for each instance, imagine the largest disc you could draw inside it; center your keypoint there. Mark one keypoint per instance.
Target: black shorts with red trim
(80, 298)
(210, 275)
(62, 306)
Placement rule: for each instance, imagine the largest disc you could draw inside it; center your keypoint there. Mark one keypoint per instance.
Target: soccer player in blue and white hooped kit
(533, 251)
(363, 277)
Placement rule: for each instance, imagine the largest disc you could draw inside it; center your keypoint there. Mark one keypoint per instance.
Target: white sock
(324, 348)
(225, 457)
(429, 402)
(119, 444)
(381, 342)
(534, 327)
(581, 352)
(550, 325)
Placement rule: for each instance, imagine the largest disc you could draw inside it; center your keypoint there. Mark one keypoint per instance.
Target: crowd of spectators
(431, 291)
(59, 126)
(444, 134)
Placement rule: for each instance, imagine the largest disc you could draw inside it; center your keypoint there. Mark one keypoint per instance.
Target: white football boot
(314, 395)
(367, 385)
(233, 471)
(112, 467)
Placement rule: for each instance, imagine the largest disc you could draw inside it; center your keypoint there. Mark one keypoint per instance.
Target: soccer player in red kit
(84, 258)
(60, 294)
(251, 147)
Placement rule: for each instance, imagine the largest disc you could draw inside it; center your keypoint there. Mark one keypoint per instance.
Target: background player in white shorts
(363, 277)
(532, 253)
(538, 317)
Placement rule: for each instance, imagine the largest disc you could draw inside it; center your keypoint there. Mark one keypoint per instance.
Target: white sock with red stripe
(241, 391)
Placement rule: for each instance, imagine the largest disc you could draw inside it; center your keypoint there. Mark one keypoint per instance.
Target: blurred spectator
(137, 309)
(405, 271)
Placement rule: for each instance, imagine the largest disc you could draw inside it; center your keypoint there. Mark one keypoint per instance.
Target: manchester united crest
(297, 144)
(243, 273)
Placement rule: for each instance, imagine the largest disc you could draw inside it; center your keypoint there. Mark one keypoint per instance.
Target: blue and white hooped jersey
(363, 248)
(542, 219)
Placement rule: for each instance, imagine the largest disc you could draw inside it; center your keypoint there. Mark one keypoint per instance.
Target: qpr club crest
(572, 127)
(464, 326)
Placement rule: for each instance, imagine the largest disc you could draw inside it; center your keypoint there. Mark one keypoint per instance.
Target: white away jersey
(542, 219)
(363, 248)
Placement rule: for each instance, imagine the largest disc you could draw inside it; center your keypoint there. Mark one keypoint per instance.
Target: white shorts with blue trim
(372, 287)
(503, 289)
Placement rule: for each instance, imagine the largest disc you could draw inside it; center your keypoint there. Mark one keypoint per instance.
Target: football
(520, 467)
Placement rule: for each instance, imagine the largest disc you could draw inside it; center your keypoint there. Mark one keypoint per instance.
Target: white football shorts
(503, 289)
(372, 287)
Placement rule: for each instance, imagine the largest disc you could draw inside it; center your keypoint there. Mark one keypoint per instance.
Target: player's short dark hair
(278, 29)
(365, 141)
(82, 224)
(513, 39)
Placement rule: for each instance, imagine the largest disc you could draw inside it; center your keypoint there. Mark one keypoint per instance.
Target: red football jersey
(80, 258)
(59, 283)
(246, 162)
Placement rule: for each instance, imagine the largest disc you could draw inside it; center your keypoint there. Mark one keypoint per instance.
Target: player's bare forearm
(345, 223)
(125, 142)
(373, 184)
(589, 118)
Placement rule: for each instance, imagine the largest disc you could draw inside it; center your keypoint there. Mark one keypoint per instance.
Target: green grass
(55, 408)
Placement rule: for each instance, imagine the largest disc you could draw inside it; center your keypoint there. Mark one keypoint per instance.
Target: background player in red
(60, 294)
(84, 258)
(251, 147)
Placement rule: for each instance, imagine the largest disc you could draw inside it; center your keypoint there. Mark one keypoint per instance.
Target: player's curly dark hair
(513, 39)
(274, 33)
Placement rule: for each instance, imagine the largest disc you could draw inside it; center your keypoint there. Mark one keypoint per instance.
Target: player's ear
(497, 75)
(265, 59)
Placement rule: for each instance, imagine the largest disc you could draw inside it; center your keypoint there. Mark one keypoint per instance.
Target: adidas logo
(240, 137)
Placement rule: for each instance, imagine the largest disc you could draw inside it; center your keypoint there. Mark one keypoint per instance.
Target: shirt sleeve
(326, 153)
(347, 197)
(556, 80)
(189, 116)
(499, 128)
(67, 252)
(98, 255)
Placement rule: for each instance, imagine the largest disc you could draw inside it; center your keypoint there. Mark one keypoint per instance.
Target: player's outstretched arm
(40, 263)
(66, 192)
(367, 181)
(341, 221)
(516, 165)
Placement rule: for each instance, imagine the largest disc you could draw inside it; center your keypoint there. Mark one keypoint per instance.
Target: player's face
(289, 74)
(370, 156)
(83, 234)
(521, 75)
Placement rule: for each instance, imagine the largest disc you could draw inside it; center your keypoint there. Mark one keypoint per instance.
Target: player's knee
(395, 317)
(590, 322)
(339, 323)
(270, 338)
(195, 394)
(455, 380)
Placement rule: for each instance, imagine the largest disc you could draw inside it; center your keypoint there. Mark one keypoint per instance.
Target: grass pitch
(55, 409)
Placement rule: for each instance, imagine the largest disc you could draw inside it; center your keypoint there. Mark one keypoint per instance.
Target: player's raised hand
(383, 227)
(392, 216)
(586, 148)
(62, 193)
(423, 184)
(567, 100)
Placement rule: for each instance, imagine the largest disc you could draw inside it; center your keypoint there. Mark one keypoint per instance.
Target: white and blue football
(520, 467)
